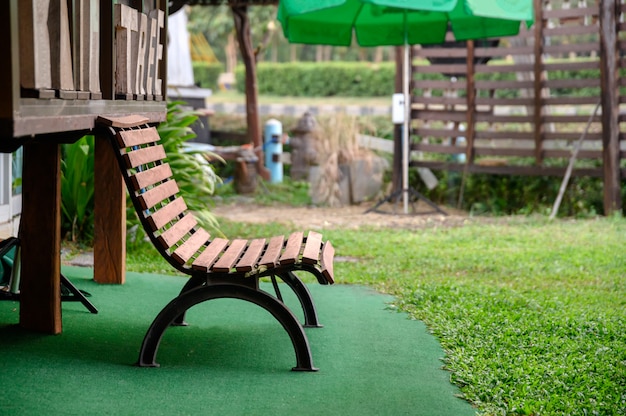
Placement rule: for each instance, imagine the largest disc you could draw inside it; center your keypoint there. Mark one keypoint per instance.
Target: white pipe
(405, 129)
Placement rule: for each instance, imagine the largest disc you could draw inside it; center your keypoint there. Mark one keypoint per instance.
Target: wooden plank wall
(521, 122)
(65, 48)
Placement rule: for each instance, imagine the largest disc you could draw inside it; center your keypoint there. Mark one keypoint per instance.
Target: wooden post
(40, 235)
(86, 47)
(10, 72)
(61, 50)
(34, 38)
(126, 37)
(109, 216)
(139, 50)
(609, 10)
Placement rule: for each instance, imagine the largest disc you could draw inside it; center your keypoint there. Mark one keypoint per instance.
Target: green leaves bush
(322, 79)
(486, 194)
(206, 75)
(366, 79)
(77, 189)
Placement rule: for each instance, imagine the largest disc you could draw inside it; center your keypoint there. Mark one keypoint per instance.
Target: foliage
(350, 79)
(486, 194)
(206, 74)
(195, 177)
(366, 79)
(216, 23)
(77, 188)
(530, 312)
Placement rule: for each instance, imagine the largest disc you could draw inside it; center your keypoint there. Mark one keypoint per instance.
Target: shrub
(322, 79)
(206, 75)
(77, 189)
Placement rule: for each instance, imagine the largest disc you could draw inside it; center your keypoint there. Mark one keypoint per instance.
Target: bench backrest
(174, 230)
(155, 194)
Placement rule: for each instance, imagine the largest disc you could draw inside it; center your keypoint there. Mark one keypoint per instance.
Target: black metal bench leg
(193, 282)
(305, 298)
(147, 355)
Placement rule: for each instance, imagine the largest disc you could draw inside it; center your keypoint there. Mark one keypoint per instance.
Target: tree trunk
(242, 25)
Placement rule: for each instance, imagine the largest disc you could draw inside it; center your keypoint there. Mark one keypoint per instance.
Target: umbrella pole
(405, 129)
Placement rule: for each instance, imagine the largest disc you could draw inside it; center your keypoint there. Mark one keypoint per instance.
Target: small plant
(77, 188)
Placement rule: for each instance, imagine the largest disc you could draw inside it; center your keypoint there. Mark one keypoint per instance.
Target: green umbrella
(400, 22)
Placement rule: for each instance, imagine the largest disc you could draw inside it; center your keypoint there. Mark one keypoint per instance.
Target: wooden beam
(9, 48)
(109, 216)
(60, 49)
(40, 235)
(609, 10)
(34, 40)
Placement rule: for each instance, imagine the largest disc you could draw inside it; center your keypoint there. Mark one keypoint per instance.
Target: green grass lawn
(531, 313)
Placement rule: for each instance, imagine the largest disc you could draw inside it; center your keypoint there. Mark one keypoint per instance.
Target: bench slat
(311, 251)
(157, 194)
(144, 156)
(151, 176)
(210, 254)
(191, 246)
(123, 122)
(252, 254)
(130, 138)
(166, 214)
(272, 252)
(292, 248)
(230, 256)
(172, 235)
(326, 262)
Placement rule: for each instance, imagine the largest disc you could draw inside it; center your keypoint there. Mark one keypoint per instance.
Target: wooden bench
(218, 268)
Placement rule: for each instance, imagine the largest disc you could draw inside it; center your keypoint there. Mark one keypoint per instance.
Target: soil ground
(386, 215)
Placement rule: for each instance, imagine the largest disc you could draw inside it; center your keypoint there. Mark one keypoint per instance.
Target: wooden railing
(510, 115)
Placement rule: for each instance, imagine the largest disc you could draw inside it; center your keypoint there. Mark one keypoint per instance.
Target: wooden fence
(518, 106)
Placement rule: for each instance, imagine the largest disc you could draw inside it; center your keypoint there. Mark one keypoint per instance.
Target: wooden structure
(510, 118)
(68, 62)
(218, 268)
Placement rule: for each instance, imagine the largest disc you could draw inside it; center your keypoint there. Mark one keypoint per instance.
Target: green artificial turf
(234, 358)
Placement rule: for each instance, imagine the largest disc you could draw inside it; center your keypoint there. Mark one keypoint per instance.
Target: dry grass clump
(336, 140)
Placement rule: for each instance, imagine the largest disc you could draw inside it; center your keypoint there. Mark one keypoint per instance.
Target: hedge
(366, 79)
(206, 75)
(323, 79)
